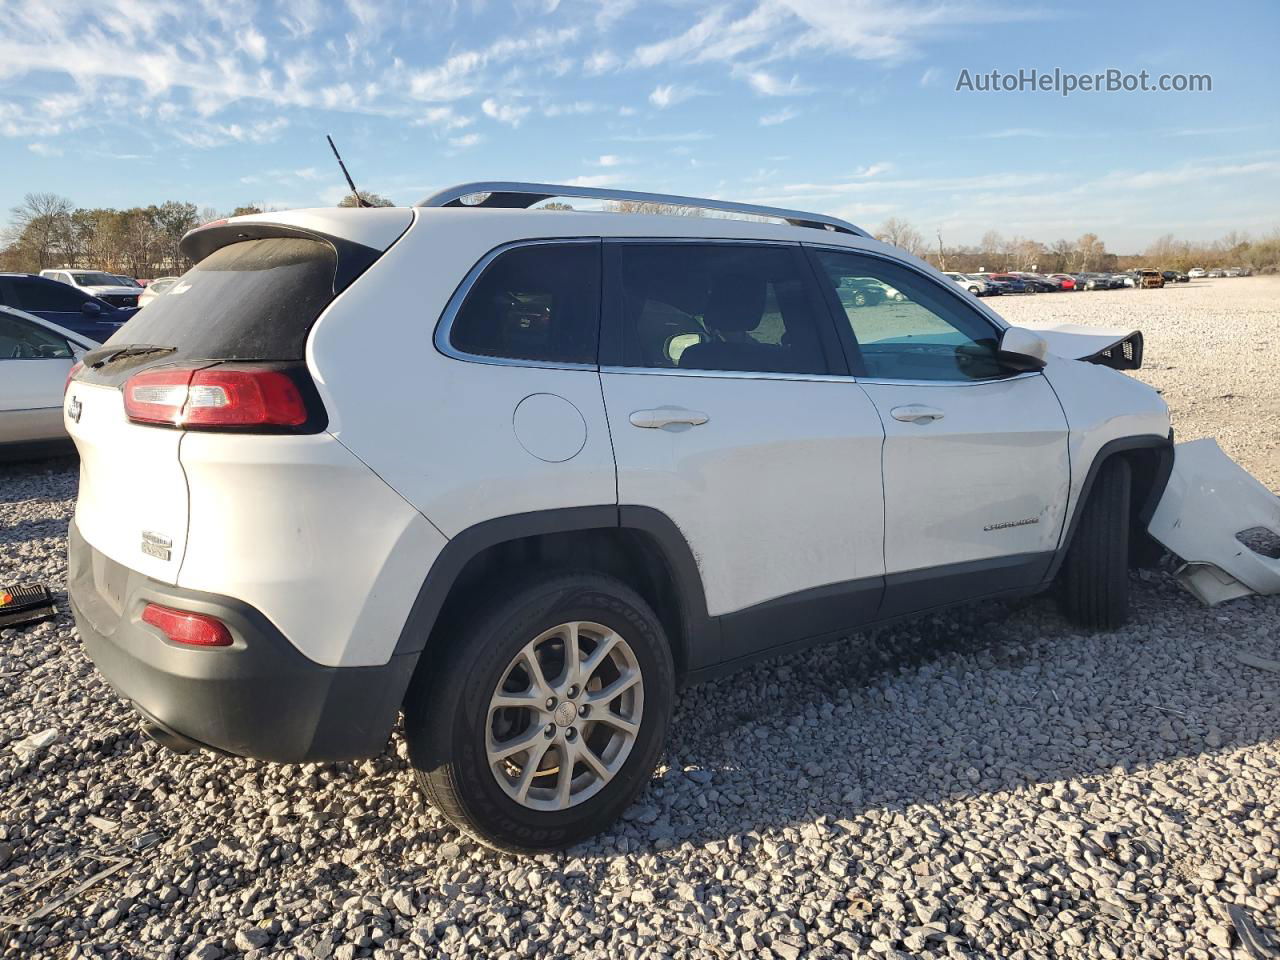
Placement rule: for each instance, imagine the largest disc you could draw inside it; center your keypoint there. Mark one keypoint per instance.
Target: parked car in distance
(36, 358)
(1169, 276)
(602, 530)
(1098, 281)
(1119, 280)
(1214, 273)
(62, 304)
(128, 281)
(104, 286)
(1195, 273)
(155, 288)
(1011, 283)
(1182, 278)
(1148, 279)
(1042, 283)
(975, 286)
(1231, 272)
(1065, 281)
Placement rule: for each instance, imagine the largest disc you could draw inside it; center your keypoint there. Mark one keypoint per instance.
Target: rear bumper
(260, 697)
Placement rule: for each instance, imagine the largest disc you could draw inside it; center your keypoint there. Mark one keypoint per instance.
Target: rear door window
(732, 307)
(253, 300)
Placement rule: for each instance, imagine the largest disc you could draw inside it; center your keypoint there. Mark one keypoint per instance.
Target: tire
(449, 718)
(1095, 573)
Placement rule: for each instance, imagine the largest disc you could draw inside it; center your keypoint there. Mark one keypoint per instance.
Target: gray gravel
(989, 783)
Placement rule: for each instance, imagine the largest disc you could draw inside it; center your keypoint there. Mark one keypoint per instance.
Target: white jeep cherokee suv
(519, 474)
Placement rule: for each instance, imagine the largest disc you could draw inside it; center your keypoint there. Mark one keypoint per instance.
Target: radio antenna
(360, 200)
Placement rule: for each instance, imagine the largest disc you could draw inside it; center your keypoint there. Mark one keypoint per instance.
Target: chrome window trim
(444, 326)
(809, 377)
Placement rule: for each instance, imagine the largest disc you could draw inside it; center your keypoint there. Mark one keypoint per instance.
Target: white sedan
(35, 360)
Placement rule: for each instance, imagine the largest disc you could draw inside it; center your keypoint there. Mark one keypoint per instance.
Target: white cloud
(609, 160)
(602, 61)
(1188, 173)
(445, 117)
(766, 84)
(220, 134)
(464, 141)
(873, 170)
(44, 150)
(253, 43)
(576, 108)
(779, 116)
(595, 180)
(930, 77)
(668, 95)
(508, 113)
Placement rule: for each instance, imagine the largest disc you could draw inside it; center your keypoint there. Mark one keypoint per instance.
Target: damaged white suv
(519, 473)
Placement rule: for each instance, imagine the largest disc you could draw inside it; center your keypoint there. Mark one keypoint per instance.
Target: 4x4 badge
(74, 409)
(154, 545)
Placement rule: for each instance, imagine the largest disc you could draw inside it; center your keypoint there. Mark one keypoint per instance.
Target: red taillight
(192, 629)
(226, 395)
(71, 375)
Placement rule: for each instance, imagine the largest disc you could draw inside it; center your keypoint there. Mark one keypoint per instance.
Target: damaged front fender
(1221, 523)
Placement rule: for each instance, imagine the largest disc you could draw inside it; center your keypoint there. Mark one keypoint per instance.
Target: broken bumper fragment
(1221, 523)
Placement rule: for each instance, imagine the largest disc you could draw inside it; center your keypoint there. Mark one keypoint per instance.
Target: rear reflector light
(226, 395)
(192, 629)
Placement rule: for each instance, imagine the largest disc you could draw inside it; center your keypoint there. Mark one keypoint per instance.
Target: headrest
(735, 303)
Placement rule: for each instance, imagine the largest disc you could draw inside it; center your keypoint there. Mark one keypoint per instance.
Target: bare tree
(370, 200)
(658, 209)
(1090, 252)
(901, 234)
(40, 224)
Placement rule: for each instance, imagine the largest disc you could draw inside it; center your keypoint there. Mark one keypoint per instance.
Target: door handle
(916, 413)
(667, 417)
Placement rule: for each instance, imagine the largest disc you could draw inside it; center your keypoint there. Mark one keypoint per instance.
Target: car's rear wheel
(1094, 580)
(547, 717)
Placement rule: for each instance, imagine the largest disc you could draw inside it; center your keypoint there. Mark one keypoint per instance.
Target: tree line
(47, 230)
(1086, 254)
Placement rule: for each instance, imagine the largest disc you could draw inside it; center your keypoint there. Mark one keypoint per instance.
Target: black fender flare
(1163, 446)
(701, 638)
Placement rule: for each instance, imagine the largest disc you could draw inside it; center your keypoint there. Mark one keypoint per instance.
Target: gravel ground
(989, 783)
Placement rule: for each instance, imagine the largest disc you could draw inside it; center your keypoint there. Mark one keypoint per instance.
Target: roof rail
(515, 195)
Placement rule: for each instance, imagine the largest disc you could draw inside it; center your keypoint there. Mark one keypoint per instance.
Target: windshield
(95, 280)
(253, 300)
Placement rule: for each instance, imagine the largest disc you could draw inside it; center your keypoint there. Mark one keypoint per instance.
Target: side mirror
(1023, 350)
(91, 308)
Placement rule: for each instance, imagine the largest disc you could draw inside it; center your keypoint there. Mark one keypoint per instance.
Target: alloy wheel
(565, 716)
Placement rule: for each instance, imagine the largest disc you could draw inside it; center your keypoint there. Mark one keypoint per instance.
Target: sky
(846, 107)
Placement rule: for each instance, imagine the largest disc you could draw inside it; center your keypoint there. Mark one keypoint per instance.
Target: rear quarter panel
(440, 430)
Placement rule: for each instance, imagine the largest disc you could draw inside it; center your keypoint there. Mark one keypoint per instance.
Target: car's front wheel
(1095, 574)
(547, 716)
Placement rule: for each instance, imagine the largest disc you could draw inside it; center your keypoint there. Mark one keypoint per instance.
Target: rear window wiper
(112, 354)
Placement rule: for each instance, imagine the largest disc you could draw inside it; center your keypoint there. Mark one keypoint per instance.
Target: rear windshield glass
(254, 300)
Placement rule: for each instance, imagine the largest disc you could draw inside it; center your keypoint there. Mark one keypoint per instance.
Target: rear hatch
(245, 309)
